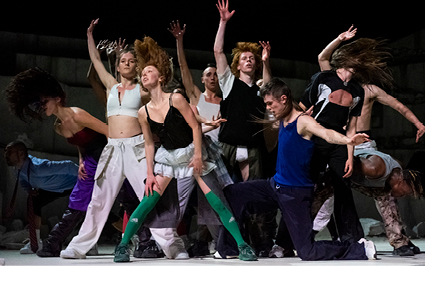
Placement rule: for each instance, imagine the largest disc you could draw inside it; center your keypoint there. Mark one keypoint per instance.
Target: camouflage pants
(385, 203)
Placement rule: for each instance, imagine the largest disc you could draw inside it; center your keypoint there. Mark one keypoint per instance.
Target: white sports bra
(130, 103)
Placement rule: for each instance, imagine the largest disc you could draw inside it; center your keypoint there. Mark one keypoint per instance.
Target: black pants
(295, 205)
(345, 213)
(44, 197)
(70, 219)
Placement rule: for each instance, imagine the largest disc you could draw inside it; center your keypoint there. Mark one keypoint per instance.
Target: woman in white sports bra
(124, 153)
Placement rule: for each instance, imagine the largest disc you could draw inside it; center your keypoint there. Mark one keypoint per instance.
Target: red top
(83, 137)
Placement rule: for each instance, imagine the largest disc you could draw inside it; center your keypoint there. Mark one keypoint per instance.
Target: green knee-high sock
(226, 217)
(139, 215)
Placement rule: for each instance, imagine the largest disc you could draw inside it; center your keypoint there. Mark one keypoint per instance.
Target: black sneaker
(198, 249)
(414, 248)
(44, 252)
(403, 251)
(138, 252)
(149, 250)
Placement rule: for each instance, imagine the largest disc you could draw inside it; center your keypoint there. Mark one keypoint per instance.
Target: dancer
(127, 198)
(380, 176)
(170, 117)
(207, 102)
(291, 188)
(372, 93)
(241, 137)
(44, 181)
(208, 106)
(123, 156)
(337, 97)
(34, 92)
(382, 173)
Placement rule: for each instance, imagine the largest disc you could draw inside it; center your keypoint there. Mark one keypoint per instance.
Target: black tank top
(175, 132)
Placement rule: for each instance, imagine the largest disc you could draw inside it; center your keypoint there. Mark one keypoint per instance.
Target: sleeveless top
(92, 142)
(130, 103)
(328, 114)
(175, 132)
(293, 157)
(241, 108)
(390, 164)
(208, 110)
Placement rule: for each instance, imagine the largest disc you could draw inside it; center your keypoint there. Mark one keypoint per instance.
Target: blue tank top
(293, 157)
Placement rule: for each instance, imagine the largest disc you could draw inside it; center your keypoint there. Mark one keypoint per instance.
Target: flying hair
(25, 90)
(149, 53)
(368, 58)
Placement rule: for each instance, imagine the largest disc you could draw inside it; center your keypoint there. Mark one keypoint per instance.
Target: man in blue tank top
(291, 188)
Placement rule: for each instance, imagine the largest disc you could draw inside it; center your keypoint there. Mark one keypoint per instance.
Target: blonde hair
(242, 47)
(149, 53)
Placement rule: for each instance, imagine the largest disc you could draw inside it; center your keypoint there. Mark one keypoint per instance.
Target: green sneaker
(122, 253)
(246, 253)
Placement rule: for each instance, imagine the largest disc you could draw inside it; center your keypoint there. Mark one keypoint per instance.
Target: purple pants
(81, 194)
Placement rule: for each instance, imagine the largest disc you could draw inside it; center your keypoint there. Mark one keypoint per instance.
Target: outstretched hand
(349, 34)
(266, 50)
(420, 132)
(175, 29)
(119, 46)
(359, 139)
(92, 26)
(103, 45)
(223, 8)
(215, 123)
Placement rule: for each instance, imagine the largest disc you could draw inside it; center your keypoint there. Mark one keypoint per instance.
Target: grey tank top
(390, 164)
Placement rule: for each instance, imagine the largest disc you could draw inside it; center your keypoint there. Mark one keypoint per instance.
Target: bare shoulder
(79, 114)
(178, 99)
(305, 119)
(78, 110)
(307, 126)
(141, 113)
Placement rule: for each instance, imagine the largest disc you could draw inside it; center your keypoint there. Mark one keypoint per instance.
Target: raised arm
(225, 15)
(97, 86)
(267, 73)
(382, 97)
(325, 56)
(107, 79)
(192, 91)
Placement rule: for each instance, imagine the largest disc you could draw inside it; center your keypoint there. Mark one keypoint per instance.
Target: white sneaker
(218, 256)
(181, 255)
(71, 254)
(369, 247)
(27, 248)
(276, 252)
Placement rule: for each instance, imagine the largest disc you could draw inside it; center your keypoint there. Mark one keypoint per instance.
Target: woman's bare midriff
(121, 126)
